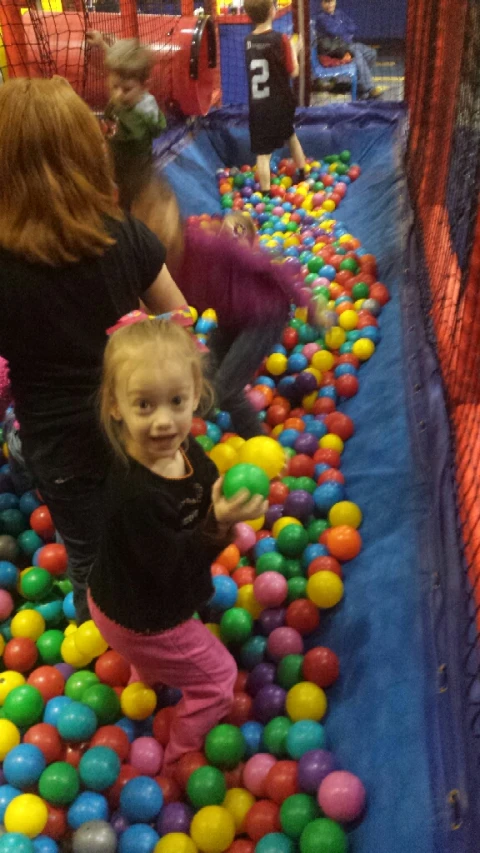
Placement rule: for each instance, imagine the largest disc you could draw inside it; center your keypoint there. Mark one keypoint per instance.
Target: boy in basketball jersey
(271, 62)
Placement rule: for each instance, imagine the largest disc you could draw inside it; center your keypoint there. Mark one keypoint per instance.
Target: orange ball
(295, 423)
(343, 542)
(229, 558)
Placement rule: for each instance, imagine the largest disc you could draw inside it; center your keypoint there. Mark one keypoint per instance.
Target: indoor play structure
(379, 418)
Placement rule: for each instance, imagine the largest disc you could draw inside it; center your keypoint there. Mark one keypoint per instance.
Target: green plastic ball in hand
(246, 476)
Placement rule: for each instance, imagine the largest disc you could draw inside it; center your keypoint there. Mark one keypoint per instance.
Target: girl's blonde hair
(56, 182)
(127, 345)
(157, 207)
(130, 59)
(240, 225)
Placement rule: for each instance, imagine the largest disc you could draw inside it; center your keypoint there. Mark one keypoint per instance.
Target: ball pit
(81, 747)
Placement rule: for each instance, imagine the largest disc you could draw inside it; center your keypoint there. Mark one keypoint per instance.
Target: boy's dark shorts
(265, 138)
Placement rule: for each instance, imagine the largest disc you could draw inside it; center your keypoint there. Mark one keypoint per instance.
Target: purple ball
(306, 443)
(168, 696)
(313, 767)
(261, 675)
(271, 618)
(294, 264)
(269, 703)
(119, 823)
(174, 817)
(306, 383)
(299, 504)
(65, 669)
(304, 296)
(274, 512)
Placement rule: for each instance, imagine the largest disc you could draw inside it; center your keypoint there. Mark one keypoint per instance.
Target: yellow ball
(334, 338)
(8, 681)
(235, 441)
(323, 360)
(9, 737)
(28, 623)
(26, 813)
(283, 522)
(265, 452)
(363, 348)
(238, 801)
(247, 600)
(194, 313)
(89, 640)
(345, 512)
(5, 447)
(325, 589)
(70, 629)
(277, 430)
(223, 456)
(276, 363)
(358, 304)
(213, 628)
(306, 701)
(176, 842)
(309, 401)
(348, 320)
(210, 314)
(138, 701)
(71, 655)
(316, 373)
(301, 314)
(330, 441)
(302, 189)
(308, 203)
(2, 645)
(329, 205)
(291, 241)
(333, 167)
(345, 238)
(256, 523)
(213, 829)
(286, 182)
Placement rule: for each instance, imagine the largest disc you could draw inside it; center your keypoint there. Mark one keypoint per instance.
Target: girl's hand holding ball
(241, 505)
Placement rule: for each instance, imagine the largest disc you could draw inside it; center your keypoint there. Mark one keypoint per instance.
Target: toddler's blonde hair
(130, 59)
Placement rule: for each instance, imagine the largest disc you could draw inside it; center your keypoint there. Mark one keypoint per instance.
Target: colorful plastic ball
(296, 813)
(306, 701)
(99, 768)
(292, 540)
(78, 684)
(146, 755)
(323, 834)
(9, 738)
(262, 819)
(105, 703)
(174, 817)
(28, 623)
(89, 641)
(252, 651)
(236, 625)
(7, 794)
(256, 771)
(282, 781)
(363, 349)
(264, 452)
(304, 736)
(112, 669)
(213, 829)
(87, 806)
(139, 838)
(275, 736)
(342, 796)
(275, 842)
(6, 604)
(325, 589)
(246, 476)
(206, 787)
(299, 503)
(9, 680)
(176, 842)
(8, 575)
(44, 844)
(69, 606)
(343, 542)
(238, 801)
(29, 542)
(48, 681)
(24, 765)
(270, 589)
(76, 722)
(345, 512)
(224, 746)
(23, 706)
(95, 835)
(16, 842)
(59, 783)
(141, 800)
(27, 814)
(284, 641)
(252, 733)
(36, 584)
(313, 767)
(225, 595)
(321, 665)
(138, 701)
(289, 671)
(54, 559)
(244, 537)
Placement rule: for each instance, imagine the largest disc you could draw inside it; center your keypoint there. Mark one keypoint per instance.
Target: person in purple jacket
(332, 23)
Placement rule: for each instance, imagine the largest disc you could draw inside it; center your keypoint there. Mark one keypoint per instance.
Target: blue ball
(288, 437)
(224, 421)
(144, 728)
(69, 607)
(24, 765)
(304, 736)
(346, 347)
(8, 574)
(287, 388)
(214, 432)
(141, 800)
(343, 369)
(203, 326)
(7, 794)
(253, 651)
(278, 348)
(319, 469)
(99, 768)
(253, 735)
(16, 842)
(128, 727)
(313, 551)
(44, 844)
(328, 271)
(265, 380)
(226, 593)
(5, 629)
(372, 333)
(77, 722)
(87, 806)
(8, 501)
(264, 546)
(28, 502)
(328, 391)
(54, 708)
(297, 362)
(316, 428)
(354, 335)
(139, 838)
(326, 495)
(275, 842)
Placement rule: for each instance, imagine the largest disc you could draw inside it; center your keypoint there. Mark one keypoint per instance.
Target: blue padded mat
(380, 720)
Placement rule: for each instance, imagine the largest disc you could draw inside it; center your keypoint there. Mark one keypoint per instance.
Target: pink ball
(256, 399)
(146, 755)
(309, 350)
(322, 282)
(284, 641)
(341, 188)
(278, 211)
(270, 589)
(342, 796)
(256, 771)
(6, 604)
(245, 537)
(318, 199)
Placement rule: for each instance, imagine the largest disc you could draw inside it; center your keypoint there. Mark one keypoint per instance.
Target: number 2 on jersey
(260, 78)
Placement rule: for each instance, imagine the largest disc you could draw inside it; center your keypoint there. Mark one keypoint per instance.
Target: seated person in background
(335, 38)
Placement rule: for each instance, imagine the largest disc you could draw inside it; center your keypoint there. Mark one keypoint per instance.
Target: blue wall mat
(375, 19)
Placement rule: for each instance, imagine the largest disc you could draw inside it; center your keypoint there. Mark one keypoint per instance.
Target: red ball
(323, 406)
(302, 615)
(20, 654)
(262, 818)
(333, 475)
(41, 522)
(282, 781)
(242, 845)
(324, 564)
(112, 669)
(340, 424)
(48, 680)
(244, 575)
(366, 320)
(278, 492)
(171, 789)
(344, 278)
(114, 738)
(46, 737)
(328, 456)
(321, 666)
(161, 724)
(234, 778)
(189, 762)
(301, 466)
(347, 385)
(290, 338)
(216, 569)
(276, 414)
(241, 710)
(348, 358)
(198, 427)
(127, 772)
(53, 558)
(240, 681)
(73, 753)
(354, 172)
(56, 826)
(380, 293)
(262, 534)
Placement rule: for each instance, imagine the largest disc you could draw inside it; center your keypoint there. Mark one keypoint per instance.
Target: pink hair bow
(180, 316)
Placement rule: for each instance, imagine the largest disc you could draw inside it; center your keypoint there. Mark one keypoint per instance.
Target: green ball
(225, 746)
(64, 585)
(205, 442)
(236, 625)
(310, 278)
(36, 584)
(275, 736)
(272, 561)
(315, 264)
(342, 169)
(51, 609)
(318, 186)
(307, 334)
(246, 476)
(295, 323)
(330, 158)
(49, 645)
(206, 787)
(78, 683)
(297, 588)
(290, 483)
(292, 540)
(29, 542)
(345, 156)
(359, 290)
(293, 568)
(325, 835)
(296, 812)
(24, 706)
(104, 701)
(306, 484)
(316, 528)
(99, 768)
(290, 671)
(59, 783)
(349, 264)
(12, 522)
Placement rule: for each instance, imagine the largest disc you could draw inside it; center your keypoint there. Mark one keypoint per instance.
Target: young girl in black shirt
(164, 522)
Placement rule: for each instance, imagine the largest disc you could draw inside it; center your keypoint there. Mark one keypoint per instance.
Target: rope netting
(443, 166)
